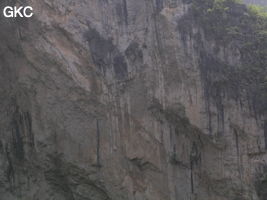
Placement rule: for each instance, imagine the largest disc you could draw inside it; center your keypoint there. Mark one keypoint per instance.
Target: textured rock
(116, 100)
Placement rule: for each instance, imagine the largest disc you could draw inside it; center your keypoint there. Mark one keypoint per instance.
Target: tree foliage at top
(230, 22)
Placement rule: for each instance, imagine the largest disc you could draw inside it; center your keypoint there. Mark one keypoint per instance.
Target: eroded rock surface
(116, 100)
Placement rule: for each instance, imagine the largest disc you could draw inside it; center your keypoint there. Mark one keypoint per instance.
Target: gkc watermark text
(13, 12)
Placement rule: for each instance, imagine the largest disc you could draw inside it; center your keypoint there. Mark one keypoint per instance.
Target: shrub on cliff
(232, 23)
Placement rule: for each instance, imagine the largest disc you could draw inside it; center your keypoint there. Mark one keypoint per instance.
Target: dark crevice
(265, 134)
(17, 139)
(10, 169)
(195, 157)
(125, 11)
(192, 177)
(22, 134)
(28, 122)
(238, 153)
(1, 147)
(143, 165)
(98, 164)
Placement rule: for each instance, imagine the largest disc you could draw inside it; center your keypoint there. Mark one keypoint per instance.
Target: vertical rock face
(123, 99)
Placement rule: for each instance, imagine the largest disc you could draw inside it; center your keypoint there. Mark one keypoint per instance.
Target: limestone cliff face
(117, 100)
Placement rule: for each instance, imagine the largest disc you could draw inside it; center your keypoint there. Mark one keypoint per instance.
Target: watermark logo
(13, 12)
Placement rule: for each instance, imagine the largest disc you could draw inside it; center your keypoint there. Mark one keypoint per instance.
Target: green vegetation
(232, 24)
(259, 11)
(221, 5)
(228, 18)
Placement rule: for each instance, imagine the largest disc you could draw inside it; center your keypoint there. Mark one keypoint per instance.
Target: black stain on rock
(21, 133)
(98, 164)
(195, 157)
(101, 49)
(106, 55)
(159, 5)
(265, 134)
(57, 178)
(125, 12)
(120, 67)
(67, 179)
(134, 54)
(17, 140)
(1, 147)
(10, 173)
(219, 81)
(187, 1)
(244, 83)
(261, 184)
(122, 12)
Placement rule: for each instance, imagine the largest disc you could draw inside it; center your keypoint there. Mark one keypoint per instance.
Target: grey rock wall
(107, 100)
